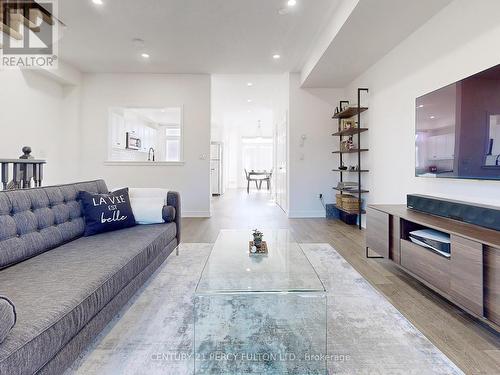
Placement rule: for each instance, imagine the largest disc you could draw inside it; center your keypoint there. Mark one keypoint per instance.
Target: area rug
(153, 334)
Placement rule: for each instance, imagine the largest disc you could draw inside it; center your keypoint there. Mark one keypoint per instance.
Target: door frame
(282, 124)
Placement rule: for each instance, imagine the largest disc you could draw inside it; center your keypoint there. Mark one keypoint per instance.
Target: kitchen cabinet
(117, 136)
(120, 126)
(149, 138)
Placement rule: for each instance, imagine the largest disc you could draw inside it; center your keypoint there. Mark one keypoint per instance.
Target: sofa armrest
(8, 317)
(174, 200)
(168, 214)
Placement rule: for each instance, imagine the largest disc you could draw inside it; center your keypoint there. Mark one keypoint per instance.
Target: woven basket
(348, 202)
(338, 197)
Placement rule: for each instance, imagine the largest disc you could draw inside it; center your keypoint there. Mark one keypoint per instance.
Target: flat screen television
(458, 129)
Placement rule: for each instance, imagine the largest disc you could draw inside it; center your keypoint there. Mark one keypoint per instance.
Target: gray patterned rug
(153, 334)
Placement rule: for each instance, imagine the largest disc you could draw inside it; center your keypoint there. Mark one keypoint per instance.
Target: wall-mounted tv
(458, 129)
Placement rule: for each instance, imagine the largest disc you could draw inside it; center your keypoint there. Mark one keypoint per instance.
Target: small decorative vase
(257, 241)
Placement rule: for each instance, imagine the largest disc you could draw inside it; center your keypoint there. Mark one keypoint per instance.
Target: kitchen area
(145, 134)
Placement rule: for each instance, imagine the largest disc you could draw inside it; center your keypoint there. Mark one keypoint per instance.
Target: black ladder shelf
(347, 113)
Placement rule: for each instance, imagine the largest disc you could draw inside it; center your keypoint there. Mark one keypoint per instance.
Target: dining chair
(267, 179)
(249, 178)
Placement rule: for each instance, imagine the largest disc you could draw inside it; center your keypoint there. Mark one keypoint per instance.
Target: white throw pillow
(147, 204)
(148, 210)
(148, 193)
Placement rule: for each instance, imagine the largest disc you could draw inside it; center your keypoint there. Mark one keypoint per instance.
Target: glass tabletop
(231, 268)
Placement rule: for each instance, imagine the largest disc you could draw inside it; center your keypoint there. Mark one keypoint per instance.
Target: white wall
(310, 166)
(102, 91)
(459, 41)
(39, 111)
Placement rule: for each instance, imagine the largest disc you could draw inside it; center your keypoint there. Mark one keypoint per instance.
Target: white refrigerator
(216, 168)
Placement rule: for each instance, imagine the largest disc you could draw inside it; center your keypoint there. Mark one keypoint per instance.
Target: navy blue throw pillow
(106, 212)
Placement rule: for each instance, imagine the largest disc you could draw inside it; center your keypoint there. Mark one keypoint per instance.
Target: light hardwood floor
(474, 347)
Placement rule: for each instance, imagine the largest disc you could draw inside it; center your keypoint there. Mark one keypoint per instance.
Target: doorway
(257, 155)
(245, 116)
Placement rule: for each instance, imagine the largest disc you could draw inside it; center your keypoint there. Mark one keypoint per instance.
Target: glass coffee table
(259, 313)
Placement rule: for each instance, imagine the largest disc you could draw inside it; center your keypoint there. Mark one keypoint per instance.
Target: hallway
(238, 210)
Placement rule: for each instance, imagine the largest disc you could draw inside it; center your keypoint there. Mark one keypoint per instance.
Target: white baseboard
(196, 214)
(306, 214)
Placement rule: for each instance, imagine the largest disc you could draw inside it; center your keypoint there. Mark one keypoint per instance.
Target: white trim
(196, 214)
(115, 163)
(306, 214)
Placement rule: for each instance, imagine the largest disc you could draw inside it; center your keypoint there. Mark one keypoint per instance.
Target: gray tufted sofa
(66, 287)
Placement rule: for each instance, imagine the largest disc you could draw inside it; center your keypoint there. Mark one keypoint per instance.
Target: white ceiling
(191, 36)
(371, 30)
(235, 104)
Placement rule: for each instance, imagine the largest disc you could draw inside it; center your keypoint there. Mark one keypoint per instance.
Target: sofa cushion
(70, 285)
(7, 317)
(36, 220)
(106, 212)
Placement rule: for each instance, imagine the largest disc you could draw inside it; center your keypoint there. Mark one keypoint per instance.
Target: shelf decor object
(349, 125)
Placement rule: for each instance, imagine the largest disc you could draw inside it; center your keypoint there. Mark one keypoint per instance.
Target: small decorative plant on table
(257, 246)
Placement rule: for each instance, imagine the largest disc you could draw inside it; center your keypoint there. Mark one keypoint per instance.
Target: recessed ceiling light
(432, 117)
(249, 84)
(276, 57)
(145, 55)
(421, 106)
(162, 111)
(97, 2)
(291, 3)
(249, 100)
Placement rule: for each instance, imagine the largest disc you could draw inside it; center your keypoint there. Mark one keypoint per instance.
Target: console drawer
(431, 267)
(492, 283)
(377, 232)
(466, 279)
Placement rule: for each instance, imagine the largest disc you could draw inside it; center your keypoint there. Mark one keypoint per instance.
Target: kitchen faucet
(149, 154)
